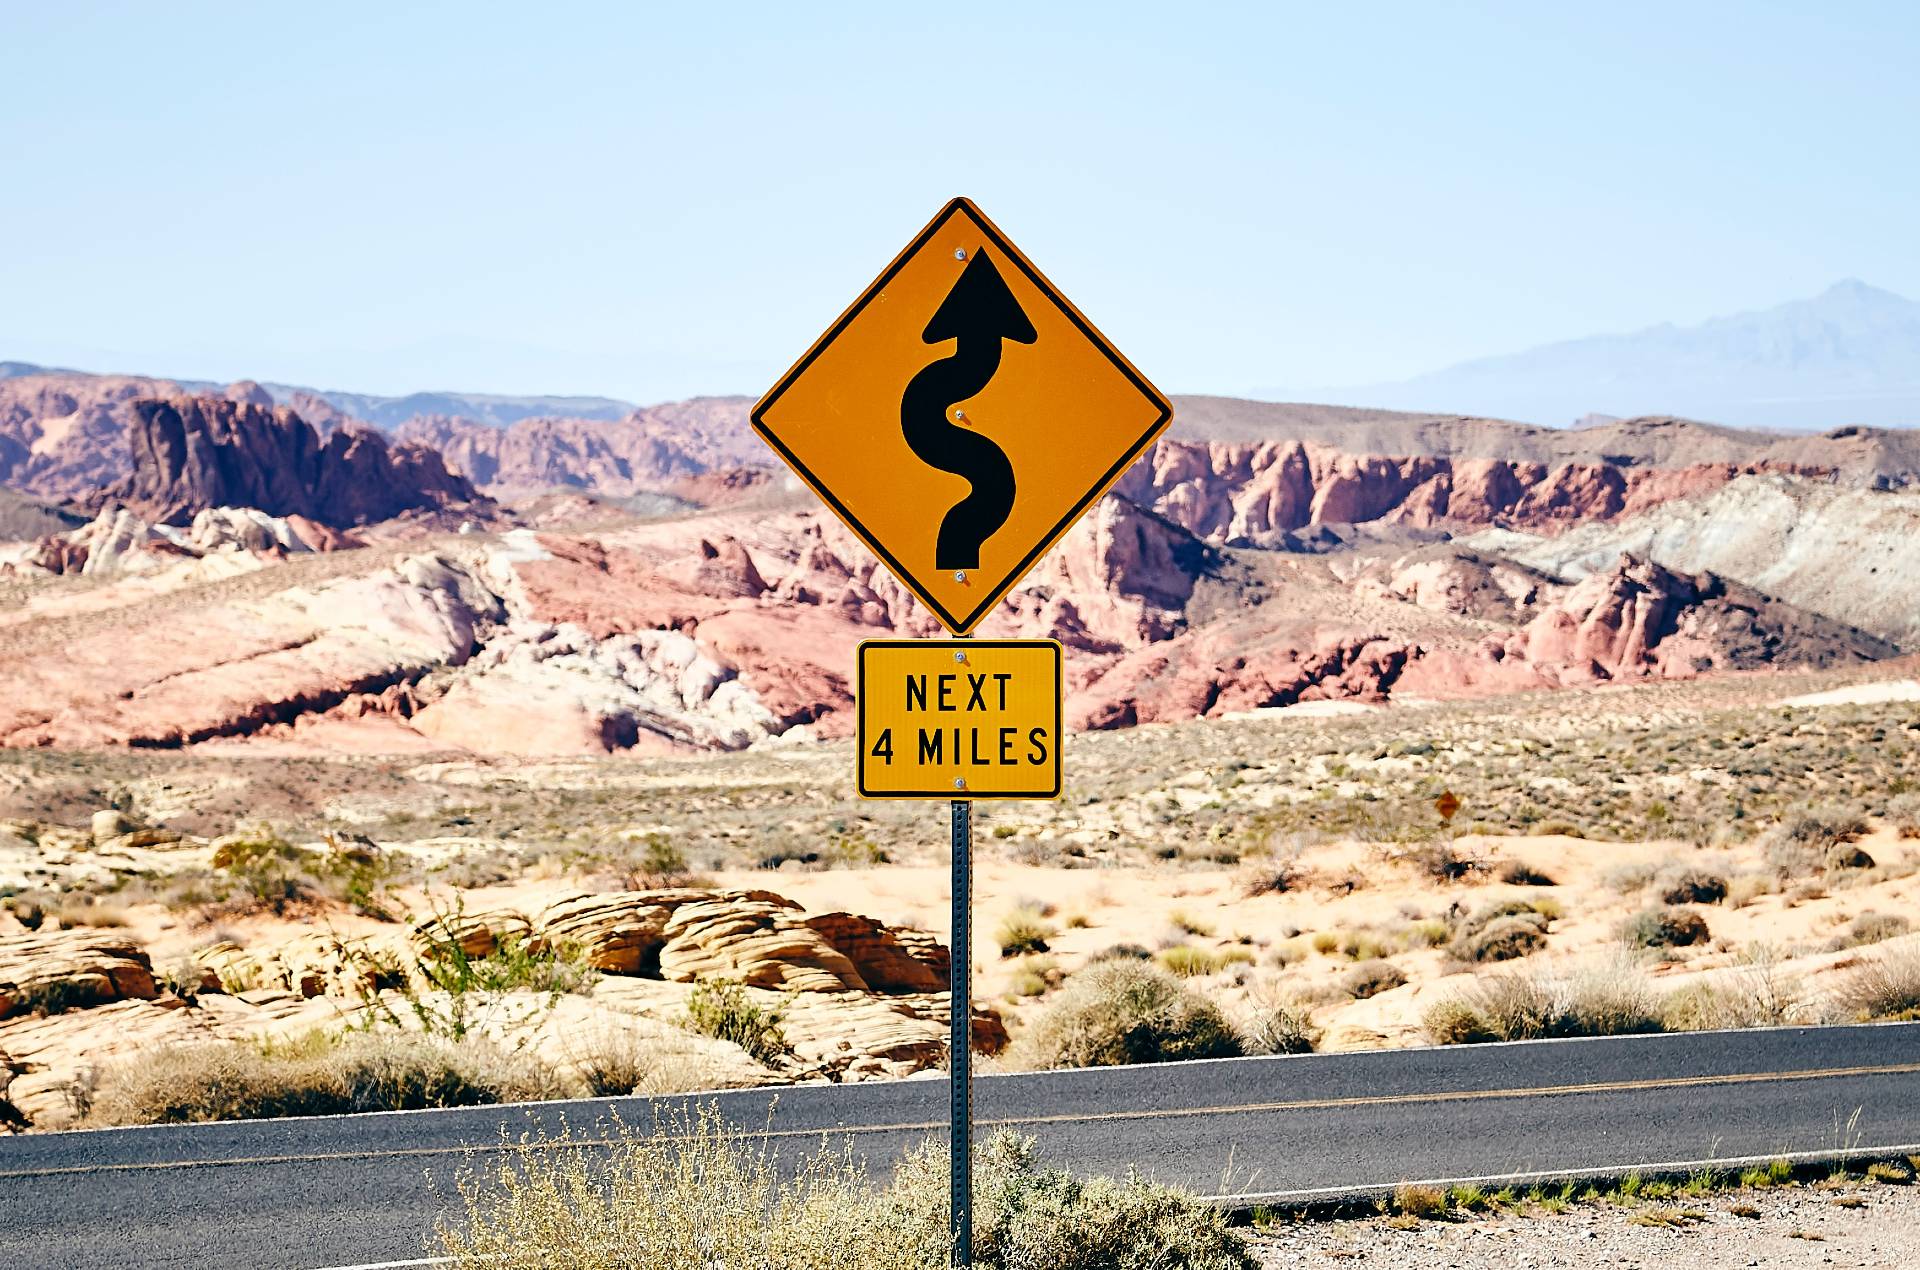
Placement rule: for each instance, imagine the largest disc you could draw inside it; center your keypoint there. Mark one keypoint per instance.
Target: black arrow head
(979, 305)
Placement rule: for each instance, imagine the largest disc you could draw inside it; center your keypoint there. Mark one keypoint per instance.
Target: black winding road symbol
(977, 315)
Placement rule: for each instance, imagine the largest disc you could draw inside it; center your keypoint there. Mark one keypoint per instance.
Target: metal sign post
(960, 1041)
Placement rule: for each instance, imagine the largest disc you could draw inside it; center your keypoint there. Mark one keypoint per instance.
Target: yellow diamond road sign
(961, 415)
(959, 718)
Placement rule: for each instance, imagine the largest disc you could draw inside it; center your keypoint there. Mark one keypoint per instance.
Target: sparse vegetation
(1600, 1001)
(1117, 1012)
(321, 1075)
(694, 1192)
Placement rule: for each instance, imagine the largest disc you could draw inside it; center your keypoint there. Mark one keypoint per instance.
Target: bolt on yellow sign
(959, 718)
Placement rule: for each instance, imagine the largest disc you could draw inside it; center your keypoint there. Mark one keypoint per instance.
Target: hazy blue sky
(651, 202)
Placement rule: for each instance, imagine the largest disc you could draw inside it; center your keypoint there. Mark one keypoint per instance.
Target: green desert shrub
(1118, 1012)
(1664, 928)
(1903, 813)
(695, 1192)
(360, 1071)
(1610, 1000)
(725, 1010)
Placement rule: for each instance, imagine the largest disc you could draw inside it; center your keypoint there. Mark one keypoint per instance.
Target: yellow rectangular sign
(972, 718)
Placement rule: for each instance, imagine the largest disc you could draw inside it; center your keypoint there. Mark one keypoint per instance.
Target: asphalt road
(360, 1190)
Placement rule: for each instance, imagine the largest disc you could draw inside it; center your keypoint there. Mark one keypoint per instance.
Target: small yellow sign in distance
(1447, 804)
(959, 718)
(961, 416)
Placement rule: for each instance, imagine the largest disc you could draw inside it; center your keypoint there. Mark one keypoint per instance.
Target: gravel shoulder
(1793, 1228)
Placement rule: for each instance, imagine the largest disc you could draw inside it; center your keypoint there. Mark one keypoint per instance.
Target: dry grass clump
(694, 1192)
(1520, 873)
(1886, 989)
(1903, 813)
(1277, 1026)
(1428, 1202)
(1370, 978)
(1693, 886)
(1630, 876)
(1758, 994)
(616, 1062)
(1664, 928)
(1597, 1001)
(1118, 1012)
(1022, 931)
(1872, 928)
(320, 1076)
(1502, 931)
(1189, 962)
(1270, 875)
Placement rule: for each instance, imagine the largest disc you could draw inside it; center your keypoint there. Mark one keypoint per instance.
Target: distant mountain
(488, 408)
(1850, 355)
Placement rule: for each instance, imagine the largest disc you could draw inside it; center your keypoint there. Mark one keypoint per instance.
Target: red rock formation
(201, 452)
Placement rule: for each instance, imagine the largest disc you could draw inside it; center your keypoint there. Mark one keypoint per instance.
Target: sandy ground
(1793, 1229)
(1350, 889)
(1861, 694)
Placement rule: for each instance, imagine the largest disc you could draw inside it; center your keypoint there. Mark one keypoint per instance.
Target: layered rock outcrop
(859, 999)
(193, 454)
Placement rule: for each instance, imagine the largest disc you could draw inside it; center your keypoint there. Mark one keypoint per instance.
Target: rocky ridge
(197, 453)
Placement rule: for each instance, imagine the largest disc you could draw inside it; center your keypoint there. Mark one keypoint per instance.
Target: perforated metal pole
(960, 1041)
